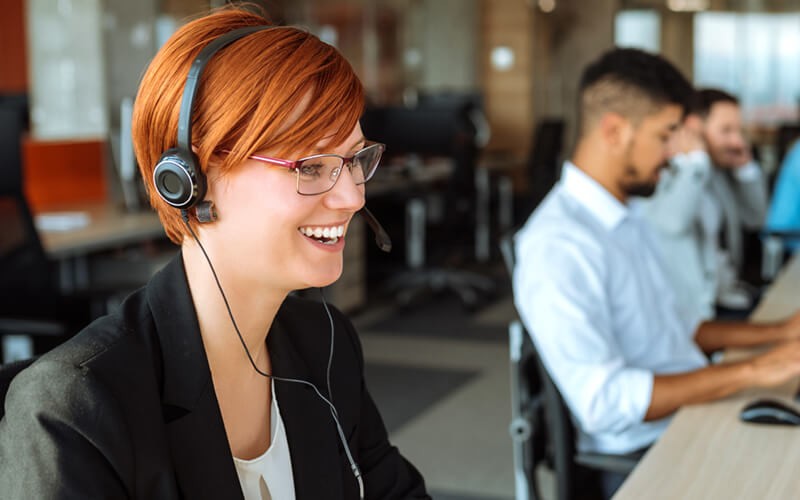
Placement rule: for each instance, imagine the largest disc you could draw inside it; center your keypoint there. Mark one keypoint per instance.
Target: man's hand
(777, 365)
(686, 139)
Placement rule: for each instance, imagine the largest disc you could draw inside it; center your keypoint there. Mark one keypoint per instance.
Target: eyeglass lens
(319, 173)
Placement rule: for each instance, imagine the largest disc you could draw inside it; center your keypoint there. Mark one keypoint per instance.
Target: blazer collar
(185, 365)
(203, 467)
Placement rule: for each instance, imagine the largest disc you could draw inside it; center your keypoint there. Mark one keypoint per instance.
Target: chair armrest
(613, 463)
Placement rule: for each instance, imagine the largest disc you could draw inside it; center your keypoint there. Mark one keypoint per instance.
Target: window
(753, 56)
(639, 29)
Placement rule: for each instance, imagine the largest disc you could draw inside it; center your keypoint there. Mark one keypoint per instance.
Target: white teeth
(330, 232)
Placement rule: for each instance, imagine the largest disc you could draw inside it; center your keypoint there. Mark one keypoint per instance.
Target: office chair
(30, 304)
(544, 162)
(542, 429)
(7, 373)
(436, 128)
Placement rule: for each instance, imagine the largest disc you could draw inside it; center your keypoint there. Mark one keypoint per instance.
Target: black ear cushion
(178, 181)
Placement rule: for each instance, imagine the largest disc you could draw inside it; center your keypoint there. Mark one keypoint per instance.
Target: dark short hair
(704, 99)
(631, 82)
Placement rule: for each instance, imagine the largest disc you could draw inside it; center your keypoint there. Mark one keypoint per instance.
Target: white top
(269, 476)
(591, 289)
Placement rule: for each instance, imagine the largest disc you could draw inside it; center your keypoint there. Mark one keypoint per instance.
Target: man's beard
(721, 157)
(641, 190)
(637, 187)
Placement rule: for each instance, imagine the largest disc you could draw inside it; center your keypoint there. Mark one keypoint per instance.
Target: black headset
(177, 177)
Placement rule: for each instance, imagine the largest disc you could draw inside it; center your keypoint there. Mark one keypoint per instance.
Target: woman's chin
(321, 280)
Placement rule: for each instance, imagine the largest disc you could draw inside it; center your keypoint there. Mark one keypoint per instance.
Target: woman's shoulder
(109, 336)
(105, 353)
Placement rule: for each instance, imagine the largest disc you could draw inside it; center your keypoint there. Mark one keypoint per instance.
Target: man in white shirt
(590, 285)
(713, 189)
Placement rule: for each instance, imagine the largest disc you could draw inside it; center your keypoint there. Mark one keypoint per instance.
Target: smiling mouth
(328, 235)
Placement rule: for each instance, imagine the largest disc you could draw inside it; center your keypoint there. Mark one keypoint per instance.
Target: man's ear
(616, 131)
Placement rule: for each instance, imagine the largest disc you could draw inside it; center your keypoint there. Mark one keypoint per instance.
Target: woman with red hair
(213, 381)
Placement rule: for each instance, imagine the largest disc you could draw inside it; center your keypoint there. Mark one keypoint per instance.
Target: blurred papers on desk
(61, 221)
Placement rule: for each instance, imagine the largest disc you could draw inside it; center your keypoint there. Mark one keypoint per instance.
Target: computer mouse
(770, 411)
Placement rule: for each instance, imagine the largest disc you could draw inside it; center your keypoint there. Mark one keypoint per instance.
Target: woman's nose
(345, 194)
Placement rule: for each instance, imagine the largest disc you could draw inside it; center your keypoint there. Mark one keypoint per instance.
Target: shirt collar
(594, 197)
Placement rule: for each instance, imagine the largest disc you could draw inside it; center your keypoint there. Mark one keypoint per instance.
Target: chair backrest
(544, 159)
(13, 117)
(25, 269)
(558, 424)
(7, 374)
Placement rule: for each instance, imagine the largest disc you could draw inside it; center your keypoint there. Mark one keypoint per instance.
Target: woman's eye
(310, 170)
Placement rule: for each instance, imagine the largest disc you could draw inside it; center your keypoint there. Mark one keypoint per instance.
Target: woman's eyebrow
(358, 145)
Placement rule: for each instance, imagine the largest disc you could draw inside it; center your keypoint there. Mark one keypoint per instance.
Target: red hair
(247, 94)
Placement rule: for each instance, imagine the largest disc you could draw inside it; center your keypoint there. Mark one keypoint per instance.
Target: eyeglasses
(318, 174)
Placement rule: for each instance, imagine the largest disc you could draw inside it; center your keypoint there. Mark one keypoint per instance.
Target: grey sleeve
(674, 206)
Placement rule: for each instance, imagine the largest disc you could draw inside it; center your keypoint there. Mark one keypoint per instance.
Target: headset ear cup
(177, 179)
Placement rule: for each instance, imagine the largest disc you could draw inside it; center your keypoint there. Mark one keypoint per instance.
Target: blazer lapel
(197, 439)
(309, 425)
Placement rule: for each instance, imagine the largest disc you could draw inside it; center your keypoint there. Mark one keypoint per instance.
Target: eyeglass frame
(294, 164)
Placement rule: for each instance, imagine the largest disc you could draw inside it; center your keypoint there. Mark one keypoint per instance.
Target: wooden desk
(109, 227)
(707, 453)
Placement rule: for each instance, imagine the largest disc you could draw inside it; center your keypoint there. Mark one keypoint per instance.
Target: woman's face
(263, 225)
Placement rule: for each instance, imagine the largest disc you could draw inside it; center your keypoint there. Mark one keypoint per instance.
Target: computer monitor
(440, 124)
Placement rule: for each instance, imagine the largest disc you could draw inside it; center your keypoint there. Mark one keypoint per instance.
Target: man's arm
(715, 335)
(784, 210)
(670, 392)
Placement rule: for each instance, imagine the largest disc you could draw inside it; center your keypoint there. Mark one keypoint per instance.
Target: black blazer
(127, 409)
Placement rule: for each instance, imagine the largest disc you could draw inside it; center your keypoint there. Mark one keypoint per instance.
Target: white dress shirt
(590, 287)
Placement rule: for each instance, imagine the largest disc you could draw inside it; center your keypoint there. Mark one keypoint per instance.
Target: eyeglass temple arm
(381, 237)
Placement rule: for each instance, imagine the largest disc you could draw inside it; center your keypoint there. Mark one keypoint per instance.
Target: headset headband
(193, 80)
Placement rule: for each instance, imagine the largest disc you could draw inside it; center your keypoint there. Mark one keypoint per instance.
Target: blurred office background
(476, 102)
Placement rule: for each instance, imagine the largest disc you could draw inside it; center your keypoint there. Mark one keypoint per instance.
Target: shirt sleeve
(560, 293)
(784, 210)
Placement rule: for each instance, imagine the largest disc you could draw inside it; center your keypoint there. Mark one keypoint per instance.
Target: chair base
(470, 287)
